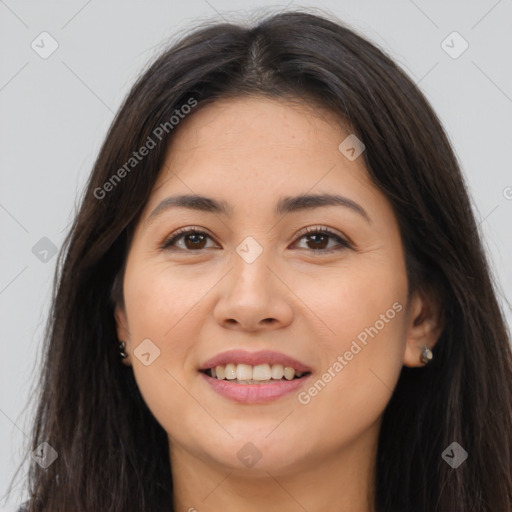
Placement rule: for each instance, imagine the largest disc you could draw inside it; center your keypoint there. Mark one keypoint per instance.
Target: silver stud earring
(426, 355)
(122, 353)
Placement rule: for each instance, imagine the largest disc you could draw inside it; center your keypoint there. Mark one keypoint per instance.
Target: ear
(424, 327)
(123, 333)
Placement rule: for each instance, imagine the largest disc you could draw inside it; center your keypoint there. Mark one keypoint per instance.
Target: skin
(195, 303)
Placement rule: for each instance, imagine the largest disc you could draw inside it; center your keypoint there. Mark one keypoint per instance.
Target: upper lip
(254, 358)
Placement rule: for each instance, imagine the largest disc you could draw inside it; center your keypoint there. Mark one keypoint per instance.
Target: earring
(122, 353)
(426, 355)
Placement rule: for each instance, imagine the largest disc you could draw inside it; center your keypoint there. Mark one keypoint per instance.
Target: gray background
(54, 113)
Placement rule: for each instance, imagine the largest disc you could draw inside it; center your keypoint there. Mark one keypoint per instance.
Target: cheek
(160, 307)
(159, 298)
(362, 357)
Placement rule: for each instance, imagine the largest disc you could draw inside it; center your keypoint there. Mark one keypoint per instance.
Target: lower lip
(254, 393)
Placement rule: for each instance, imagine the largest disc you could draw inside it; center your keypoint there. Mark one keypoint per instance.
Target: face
(318, 286)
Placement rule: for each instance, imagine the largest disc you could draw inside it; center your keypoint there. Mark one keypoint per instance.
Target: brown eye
(318, 239)
(192, 240)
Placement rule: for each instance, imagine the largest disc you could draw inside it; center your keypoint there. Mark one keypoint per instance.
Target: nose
(254, 297)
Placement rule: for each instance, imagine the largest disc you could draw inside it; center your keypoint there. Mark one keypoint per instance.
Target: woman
(274, 295)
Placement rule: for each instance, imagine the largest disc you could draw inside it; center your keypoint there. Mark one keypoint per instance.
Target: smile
(254, 377)
(259, 374)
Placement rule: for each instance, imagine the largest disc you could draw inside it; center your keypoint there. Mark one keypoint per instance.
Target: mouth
(239, 373)
(254, 377)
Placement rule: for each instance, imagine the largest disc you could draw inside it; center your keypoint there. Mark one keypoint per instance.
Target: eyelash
(320, 230)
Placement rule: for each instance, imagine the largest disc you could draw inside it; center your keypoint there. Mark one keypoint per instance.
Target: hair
(111, 448)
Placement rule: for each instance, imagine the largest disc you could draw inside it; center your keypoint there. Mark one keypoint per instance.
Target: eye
(317, 237)
(193, 239)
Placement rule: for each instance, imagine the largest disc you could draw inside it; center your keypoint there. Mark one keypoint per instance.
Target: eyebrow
(284, 205)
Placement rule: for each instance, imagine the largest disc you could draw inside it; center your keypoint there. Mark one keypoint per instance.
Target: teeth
(289, 373)
(277, 371)
(230, 371)
(261, 372)
(219, 371)
(244, 372)
(247, 374)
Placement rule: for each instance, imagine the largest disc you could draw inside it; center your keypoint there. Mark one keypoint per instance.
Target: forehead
(254, 122)
(242, 143)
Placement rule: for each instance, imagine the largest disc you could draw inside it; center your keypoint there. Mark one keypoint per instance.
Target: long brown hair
(90, 410)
